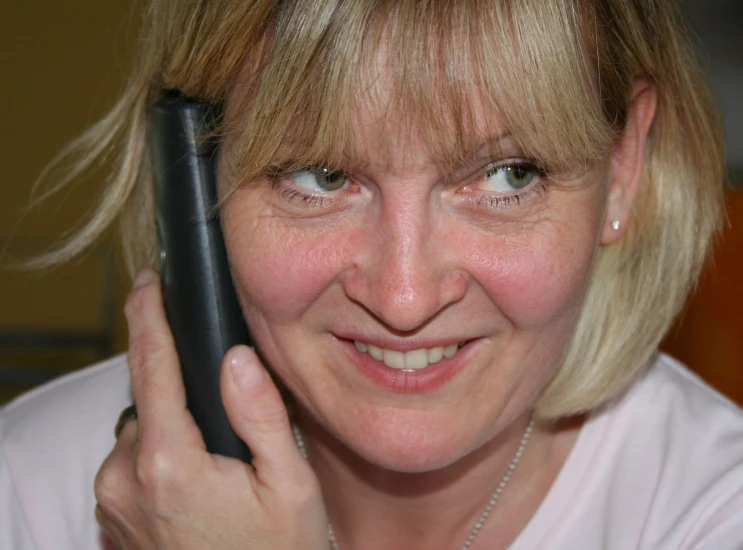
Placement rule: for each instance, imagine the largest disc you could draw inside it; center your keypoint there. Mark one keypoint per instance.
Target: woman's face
(470, 279)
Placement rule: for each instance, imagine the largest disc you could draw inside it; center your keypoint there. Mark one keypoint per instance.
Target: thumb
(258, 415)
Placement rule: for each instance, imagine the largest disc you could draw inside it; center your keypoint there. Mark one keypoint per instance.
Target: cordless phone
(200, 299)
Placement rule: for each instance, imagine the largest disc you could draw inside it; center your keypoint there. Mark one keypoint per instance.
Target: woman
(458, 232)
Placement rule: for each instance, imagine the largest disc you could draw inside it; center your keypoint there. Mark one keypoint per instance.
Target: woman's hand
(160, 489)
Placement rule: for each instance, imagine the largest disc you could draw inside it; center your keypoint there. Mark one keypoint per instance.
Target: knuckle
(272, 417)
(159, 478)
(109, 485)
(145, 351)
(156, 469)
(148, 342)
(267, 409)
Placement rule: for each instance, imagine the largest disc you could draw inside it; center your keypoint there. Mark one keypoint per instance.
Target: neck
(372, 507)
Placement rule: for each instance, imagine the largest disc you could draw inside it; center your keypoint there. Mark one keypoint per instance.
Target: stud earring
(615, 225)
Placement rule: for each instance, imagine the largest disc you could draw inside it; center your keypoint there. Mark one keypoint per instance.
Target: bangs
(452, 72)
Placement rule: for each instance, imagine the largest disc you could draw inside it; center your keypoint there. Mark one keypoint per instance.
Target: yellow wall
(62, 64)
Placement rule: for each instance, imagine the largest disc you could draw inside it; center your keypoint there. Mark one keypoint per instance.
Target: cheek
(280, 271)
(531, 275)
(537, 276)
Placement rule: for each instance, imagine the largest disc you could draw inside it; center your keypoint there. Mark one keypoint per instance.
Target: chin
(419, 461)
(411, 447)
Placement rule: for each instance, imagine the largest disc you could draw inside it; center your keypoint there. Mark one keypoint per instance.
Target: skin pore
(403, 253)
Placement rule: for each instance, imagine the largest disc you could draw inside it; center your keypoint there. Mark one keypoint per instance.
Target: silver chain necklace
(485, 513)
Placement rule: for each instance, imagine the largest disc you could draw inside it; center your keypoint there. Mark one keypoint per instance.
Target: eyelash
(498, 200)
(509, 201)
(492, 200)
(306, 199)
(278, 176)
(530, 165)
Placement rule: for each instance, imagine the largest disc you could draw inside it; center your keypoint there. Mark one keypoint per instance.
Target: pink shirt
(659, 468)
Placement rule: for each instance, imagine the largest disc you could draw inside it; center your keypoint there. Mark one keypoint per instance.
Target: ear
(627, 160)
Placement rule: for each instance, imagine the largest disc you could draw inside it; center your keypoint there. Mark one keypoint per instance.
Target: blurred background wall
(62, 66)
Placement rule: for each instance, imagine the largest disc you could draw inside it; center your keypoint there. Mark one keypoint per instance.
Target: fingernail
(245, 368)
(145, 277)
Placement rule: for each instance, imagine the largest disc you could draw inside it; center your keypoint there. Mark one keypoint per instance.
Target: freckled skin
(408, 252)
(404, 256)
(400, 254)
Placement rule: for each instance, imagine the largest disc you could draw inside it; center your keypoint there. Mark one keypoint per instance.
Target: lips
(408, 369)
(416, 359)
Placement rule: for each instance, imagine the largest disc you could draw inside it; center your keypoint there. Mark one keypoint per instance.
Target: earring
(615, 225)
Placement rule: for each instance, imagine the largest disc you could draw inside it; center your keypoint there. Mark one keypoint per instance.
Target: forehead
(386, 126)
(420, 72)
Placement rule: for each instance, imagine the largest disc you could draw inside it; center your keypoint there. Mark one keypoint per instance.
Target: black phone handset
(200, 299)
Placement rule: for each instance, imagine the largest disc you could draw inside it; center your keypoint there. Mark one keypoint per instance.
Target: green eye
(321, 179)
(511, 177)
(331, 180)
(519, 176)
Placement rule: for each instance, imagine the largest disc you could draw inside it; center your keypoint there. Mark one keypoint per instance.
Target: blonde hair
(559, 73)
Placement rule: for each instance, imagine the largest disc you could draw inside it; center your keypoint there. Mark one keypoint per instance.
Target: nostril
(404, 293)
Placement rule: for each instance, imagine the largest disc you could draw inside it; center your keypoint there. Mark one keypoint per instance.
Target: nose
(406, 271)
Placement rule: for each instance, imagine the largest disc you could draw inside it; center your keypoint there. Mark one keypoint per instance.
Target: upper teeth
(410, 360)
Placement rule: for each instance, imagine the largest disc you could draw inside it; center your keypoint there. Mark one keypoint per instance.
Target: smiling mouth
(409, 360)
